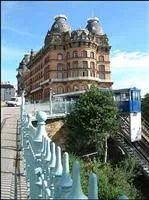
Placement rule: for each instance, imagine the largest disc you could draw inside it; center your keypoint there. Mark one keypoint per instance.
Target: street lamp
(50, 99)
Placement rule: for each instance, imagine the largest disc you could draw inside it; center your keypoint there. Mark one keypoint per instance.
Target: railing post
(123, 197)
(92, 187)
(51, 167)
(22, 113)
(65, 183)
(76, 191)
(37, 147)
(57, 173)
(65, 106)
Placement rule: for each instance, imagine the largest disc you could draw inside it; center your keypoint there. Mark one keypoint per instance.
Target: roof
(7, 86)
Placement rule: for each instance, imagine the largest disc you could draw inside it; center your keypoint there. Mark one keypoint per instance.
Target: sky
(24, 25)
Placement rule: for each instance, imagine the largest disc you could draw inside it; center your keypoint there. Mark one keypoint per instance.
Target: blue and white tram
(129, 103)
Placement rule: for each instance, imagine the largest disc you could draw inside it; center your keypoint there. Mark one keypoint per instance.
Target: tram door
(135, 102)
(135, 115)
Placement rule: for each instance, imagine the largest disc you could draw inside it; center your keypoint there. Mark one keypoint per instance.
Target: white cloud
(126, 60)
(130, 69)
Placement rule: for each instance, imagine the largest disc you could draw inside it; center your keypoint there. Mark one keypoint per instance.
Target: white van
(15, 101)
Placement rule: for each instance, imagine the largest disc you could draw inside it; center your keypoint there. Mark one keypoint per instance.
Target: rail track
(137, 150)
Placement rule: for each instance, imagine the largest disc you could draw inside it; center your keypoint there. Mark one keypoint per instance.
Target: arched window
(75, 69)
(101, 68)
(59, 90)
(92, 69)
(92, 54)
(101, 58)
(84, 54)
(85, 68)
(75, 54)
(59, 56)
(75, 88)
(59, 70)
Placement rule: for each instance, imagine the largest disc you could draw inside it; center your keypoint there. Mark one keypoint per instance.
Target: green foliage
(112, 182)
(93, 120)
(145, 107)
(131, 168)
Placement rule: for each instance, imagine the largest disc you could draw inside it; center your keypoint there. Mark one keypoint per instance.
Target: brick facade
(69, 61)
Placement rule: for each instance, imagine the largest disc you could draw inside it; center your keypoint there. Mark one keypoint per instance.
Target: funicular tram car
(129, 104)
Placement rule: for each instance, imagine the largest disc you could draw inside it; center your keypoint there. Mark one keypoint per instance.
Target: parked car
(15, 101)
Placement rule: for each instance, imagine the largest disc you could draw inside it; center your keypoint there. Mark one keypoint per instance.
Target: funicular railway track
(136, 149)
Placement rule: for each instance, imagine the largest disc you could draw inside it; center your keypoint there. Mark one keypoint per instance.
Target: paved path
(12, 186)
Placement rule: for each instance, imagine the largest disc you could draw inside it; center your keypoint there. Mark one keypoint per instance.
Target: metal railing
(47, 171)
(51, 108)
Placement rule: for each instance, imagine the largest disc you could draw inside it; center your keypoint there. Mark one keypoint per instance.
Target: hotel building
(69, 61)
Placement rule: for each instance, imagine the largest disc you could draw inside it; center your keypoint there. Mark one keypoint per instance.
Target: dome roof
(93, 26)
(60, 25)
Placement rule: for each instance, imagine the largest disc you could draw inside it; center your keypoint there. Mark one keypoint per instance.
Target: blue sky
(25, 24)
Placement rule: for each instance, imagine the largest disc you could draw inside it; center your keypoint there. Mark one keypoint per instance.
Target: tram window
(125, 97)
(117, 97)
(135, 95)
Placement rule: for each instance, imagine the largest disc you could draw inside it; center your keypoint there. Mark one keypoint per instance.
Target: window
(101, 68)
(92, 69)
(85, 68)
(92, 54)
(59, 71)
(75, 54)
(101, 58)
(68, 69)
(59, 90)
(84, 54)
(75, 69)
(102, 76)
(75, 64)
(124, 96)
(59, 56)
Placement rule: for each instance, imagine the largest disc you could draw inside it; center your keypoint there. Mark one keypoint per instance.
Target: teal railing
(46, 170)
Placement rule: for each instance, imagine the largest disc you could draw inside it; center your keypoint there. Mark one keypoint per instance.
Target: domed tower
(59, 27)
(93, 26)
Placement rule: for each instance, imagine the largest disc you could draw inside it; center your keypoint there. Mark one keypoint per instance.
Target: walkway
(13, 182)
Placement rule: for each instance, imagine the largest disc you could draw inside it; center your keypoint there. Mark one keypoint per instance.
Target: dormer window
(84, 54)
(101, 58)
(75, 54)
(59, 56)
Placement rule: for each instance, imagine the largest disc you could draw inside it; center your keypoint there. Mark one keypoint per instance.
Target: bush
(112, 182)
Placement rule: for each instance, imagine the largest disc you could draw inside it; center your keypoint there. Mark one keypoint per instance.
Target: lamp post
(50, 99)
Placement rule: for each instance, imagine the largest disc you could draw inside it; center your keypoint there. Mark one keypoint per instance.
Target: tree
(92, 122)
(145, 107)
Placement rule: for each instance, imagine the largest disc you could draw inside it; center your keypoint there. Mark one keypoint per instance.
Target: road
(10, 186)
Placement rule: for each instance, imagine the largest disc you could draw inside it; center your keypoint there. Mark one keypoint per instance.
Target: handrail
(46, 172)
